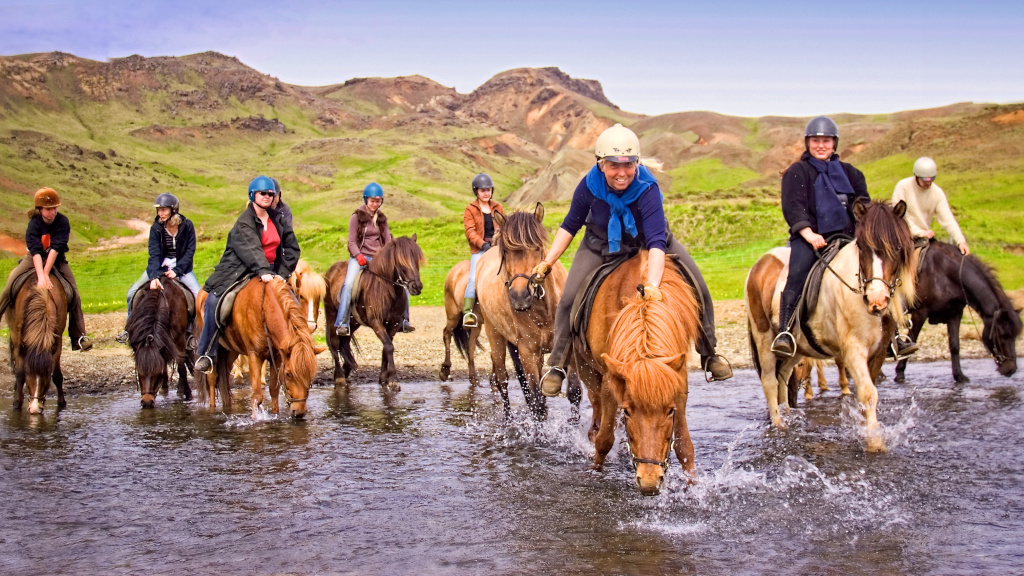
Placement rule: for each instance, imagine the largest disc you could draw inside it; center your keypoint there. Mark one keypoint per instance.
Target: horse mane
(646, 333)
(987, 273)
(37, 331)
(880, 230)
(149, 332)
(521, 231)
(313, 288)
(300, 361)
(379, 292)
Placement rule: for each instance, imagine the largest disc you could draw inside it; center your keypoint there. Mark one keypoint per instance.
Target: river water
(432, 481)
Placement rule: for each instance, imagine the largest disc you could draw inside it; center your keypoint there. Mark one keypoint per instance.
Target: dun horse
(37, 319)
(266, 325)
(950, 281)
(516, 314)
(380, 304)
(157, 334)
(635, 359)
(858, 292)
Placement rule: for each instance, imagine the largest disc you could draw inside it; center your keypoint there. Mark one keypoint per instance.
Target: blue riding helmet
(373, 190)
(259, 184)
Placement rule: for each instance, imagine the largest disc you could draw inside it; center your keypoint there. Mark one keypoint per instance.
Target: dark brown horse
(380, 305)
(37, 320)
(266, 325)
(635, 359)
(157, 334)
(948, 282)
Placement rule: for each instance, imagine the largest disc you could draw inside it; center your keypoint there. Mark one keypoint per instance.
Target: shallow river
(431, 481)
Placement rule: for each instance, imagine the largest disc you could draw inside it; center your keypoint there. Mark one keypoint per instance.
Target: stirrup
(555, 376)
(343, 330)
(902, 347)
(777, 344)
(122, 337)
(469, 320)
(407, 327)
(199, 361)
(721, 375)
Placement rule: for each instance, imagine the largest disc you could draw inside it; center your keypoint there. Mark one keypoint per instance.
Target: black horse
(948, 281)
(157, 332)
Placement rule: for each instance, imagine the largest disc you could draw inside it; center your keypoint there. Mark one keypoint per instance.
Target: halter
(668, 453)
(863, 282)
(536, 288)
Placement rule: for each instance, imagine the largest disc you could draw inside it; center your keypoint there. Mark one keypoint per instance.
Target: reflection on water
(431, 481)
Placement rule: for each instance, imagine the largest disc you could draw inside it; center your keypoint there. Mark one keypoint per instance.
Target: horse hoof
(393, 387)
(875, 444)
(340, 382)
(443, 374)
(961, 379)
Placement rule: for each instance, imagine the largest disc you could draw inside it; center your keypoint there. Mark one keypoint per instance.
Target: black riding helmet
(166, 200)
(822, 126)
(482, 180)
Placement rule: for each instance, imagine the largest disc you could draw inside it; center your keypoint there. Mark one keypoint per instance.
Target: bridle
(999, 358)
(668, 453)
(536, 288)
(862, 288)
(282, 385)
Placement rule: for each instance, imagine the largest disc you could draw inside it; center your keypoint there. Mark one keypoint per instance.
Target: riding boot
(469, 319)
(717, 366)
(406, 325)
(551, 383)
(902, 347)
(785, 343)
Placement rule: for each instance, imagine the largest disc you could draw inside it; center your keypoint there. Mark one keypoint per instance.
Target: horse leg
(387, 358)
(683, 443)
(275, 386)
(184, 391)
(221, 378)
(255, 380)
(19, 389)
(867, 396)
(953, 328)
(58, 382)
(474, 335)
(917, 323)
(446, 366)
(499, 375)
(334, 345)
(528, 371)
(574, 394)
(605, 436)
(819, 367)
(162, 386)
(592, 380)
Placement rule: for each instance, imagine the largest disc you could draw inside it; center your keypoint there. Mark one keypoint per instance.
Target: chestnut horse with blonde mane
(266, 325)
(853, 320)
(380, 304)
(635, 358)
(37, 319)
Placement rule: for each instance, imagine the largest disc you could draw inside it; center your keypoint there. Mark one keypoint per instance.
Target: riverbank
(109, 367)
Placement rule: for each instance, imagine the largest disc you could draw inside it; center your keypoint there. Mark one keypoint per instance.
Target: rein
(999, 358)
(281, 385)
(892, 286)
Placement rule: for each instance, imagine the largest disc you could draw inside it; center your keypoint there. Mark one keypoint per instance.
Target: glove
(485, 247)
(361, 259)
(651, 292)
(540, 271)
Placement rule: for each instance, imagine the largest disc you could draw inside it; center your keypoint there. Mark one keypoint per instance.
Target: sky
(745, 58)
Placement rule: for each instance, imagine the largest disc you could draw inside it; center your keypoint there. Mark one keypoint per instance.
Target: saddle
(921, 245)
(812, 287)
(190, 298)
(20, 281)
(227, 301)
(583, 303)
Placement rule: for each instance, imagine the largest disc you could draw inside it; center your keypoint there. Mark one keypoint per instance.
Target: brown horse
(852, 321)
(635, 359)
(37, 320)
(466, 339)
(947, 283)
(380, 305)
(157, 334)
(266, 324)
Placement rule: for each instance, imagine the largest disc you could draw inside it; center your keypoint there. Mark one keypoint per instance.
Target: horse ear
(318, 349)
(413, 236)
(860, 208)
(674, 362)
(614, 366)
(499, 218)
(900, 209)
(538, 212)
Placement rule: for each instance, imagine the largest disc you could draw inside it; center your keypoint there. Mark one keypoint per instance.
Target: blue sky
(747, 58)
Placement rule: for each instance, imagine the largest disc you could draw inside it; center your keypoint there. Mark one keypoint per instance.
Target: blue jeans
(471, 285)
(208, 338)
(345, 296)
(189, 280)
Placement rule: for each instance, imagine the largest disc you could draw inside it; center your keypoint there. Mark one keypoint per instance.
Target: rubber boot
(785, 344)
(469, 319)
(551, 383)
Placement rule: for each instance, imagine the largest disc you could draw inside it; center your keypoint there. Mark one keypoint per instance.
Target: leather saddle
(812, 287)
(30, 275)
(172, 284)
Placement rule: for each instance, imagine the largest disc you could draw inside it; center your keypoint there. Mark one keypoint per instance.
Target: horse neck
(981, 292)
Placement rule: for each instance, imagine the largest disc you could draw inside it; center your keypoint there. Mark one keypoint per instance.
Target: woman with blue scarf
(621, 205)
(818, 193)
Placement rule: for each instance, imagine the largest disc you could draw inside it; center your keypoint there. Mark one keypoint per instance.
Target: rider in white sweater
(925, 201)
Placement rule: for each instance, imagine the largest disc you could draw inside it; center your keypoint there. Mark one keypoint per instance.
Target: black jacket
(59, 232)
(798, 204)
(243, 253)
(185, 248)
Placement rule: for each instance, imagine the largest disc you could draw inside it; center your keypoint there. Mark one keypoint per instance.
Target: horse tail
(461, 337)
(37, 332)
(753, 349)
(517, 362)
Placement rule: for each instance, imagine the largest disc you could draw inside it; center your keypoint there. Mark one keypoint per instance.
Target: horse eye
(625, 412)
(671, 411)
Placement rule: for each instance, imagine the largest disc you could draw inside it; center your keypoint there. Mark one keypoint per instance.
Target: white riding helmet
(924, 167)
(617, 144)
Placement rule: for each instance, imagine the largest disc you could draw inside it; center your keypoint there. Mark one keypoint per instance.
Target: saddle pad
(190, 298)
(69, 292)
(228, 300)
(583, 303)
(812, 286)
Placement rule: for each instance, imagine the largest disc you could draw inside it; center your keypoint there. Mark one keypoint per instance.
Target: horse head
(886, 251)
(310, 288)
(151, 336)
(1000, 338)
(401, 260)
(296, 356)
(645, 390)
(522, 243)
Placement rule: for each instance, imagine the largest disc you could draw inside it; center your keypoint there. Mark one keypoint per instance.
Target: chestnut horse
(635, 359)
(948, 282)
(157, 334)
(852, 322)
(380, 305)
(37, 319)
(266, 324)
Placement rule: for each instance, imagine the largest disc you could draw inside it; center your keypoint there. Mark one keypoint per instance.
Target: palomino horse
(466, 339)
(380, 305)
(950, 281)
(266, 324)
(860, 289)
(36, 320)
(309, 288)
(157, 334)
(517, 314)
(801, 378)
(635, 359)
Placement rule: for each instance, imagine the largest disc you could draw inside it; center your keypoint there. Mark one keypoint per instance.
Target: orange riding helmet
(47, 198)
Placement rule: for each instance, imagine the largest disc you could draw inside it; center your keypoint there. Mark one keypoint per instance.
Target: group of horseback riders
(618, 201)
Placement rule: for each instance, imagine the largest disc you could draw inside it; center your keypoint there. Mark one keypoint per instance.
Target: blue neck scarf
(831, 180)
(619, 202)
